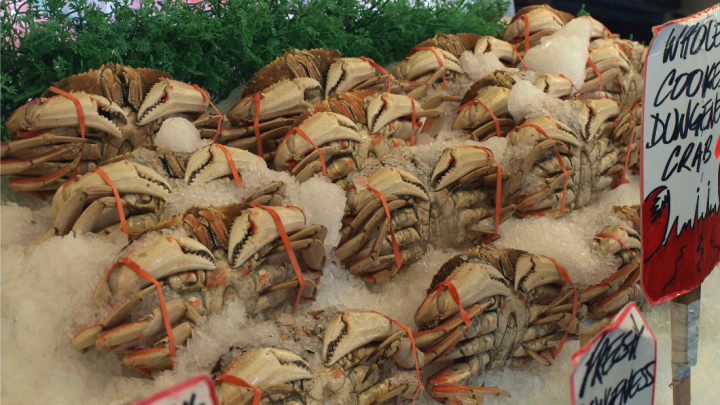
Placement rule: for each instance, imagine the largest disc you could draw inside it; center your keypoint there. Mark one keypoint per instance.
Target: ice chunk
(527, 102)
(324, 204)
(480, 65)
(21, 226)
(564, 52)
(179, 135)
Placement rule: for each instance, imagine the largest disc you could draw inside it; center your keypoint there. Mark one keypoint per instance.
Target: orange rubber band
(527, 32)
(109, 182)
(256, 123)
(567, 278)
(607, 235)
(498, 192)
(597, 72)
(412, 344)
(231, 162)
(623, 179)
(520, 57)
(239, 382)
(465, 317)
(412, 121)
(163, 308)
(572, 84)
(478, 101)
(78, 106)
(439, 58)
(302, 133)
(288, 248)
(379, 69)
(396, 249)
(560, 162)
(205, 96)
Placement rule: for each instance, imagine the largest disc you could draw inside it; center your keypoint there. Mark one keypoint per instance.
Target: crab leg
(49, 180)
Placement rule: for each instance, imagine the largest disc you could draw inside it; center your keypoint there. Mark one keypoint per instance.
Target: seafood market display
(331, 169)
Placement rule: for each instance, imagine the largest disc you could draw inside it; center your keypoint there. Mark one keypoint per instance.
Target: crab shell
(123, 85)
(295, 63)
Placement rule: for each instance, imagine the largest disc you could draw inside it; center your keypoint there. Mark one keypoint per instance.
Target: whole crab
(349, 128)
(615, 70)
(250, 264)
(590, 161)
(518, 306)
(122, 109)
(351, 359)
(440, 211)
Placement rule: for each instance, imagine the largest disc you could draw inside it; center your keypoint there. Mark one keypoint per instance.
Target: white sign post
(199, 390)
(618, 366)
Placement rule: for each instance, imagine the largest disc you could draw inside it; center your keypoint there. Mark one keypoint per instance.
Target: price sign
(681, 156)
(618, 365)
(199, 390)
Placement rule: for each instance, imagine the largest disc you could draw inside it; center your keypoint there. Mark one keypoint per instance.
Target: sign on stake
(199, 390)
(618, 365)
(681, 177)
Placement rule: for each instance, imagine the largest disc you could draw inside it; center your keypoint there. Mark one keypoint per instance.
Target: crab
(441, 211)
(292, 84)
(439, 57)
(543, 20)
(628, 130)
(621, 64)
(593, 162)
(518, 306)
(349, 128)
(122, 107)
(252, 267)
(356, 349)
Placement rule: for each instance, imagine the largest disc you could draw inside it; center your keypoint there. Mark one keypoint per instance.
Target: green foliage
(215, 43)
(582, 11)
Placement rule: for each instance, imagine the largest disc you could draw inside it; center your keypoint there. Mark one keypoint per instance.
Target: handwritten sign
(199, 390)
(681, 156)
(617, 367)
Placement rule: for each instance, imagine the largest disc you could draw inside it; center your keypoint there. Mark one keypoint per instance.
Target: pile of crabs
(315, 113)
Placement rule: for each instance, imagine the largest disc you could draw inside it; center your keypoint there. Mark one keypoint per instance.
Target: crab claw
(60, 112)
(390, 182)
(385, 108)
(255, 229)
(262, 367)
(474, 282)
(532, 271)
(426, 61)
(163, 256)
(495, 98)
(347, 73)
(502, 49)
(286, 98)
(170, 97)
(554, 85)
(322, 128)
(211, 162)
(456, 163)
(127, 177)
(347, 331)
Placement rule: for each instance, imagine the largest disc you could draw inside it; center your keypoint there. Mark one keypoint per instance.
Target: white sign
(681, 155)
(199, 390)
(617, 367)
